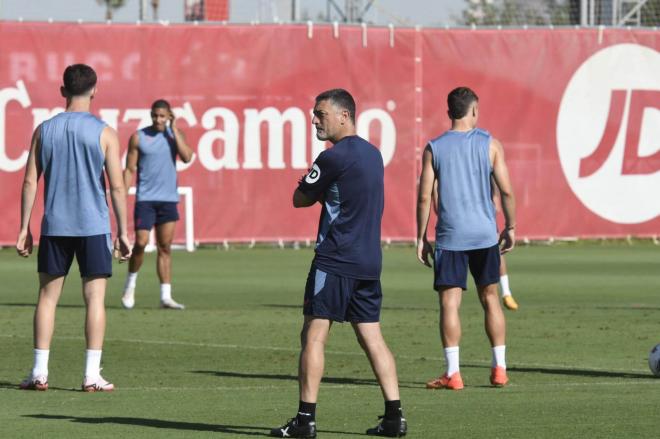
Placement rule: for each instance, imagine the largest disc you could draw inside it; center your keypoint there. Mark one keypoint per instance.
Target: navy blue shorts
(451, 267)
(342, 299)
(93, 253)
(148, 213)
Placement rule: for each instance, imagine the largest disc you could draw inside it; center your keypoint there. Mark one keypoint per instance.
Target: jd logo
(608, 133)
(313, 175)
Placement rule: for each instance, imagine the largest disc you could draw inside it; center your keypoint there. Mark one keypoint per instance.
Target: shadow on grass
(572, 372)
(330, 380)
(15, 386)
(159, 423)
(8, 385)
(634, 307)
(582, 372)
(270, 376)
(59, 305)
(32, 305)
(172, 425)
(396, 308)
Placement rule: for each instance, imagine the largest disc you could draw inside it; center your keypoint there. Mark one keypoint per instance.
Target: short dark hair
(459, 101)
(161, 103)
(340, 98)
(78, 79)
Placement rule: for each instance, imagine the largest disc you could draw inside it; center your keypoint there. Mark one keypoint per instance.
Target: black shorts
(451, 267)
(93, 253)
(342, 299)
(148, 213)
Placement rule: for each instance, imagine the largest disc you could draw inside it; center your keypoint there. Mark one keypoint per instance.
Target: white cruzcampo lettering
(275, 121)
(387, 131)
(20, 95)
(41, 115)
(219, 145)
(142, 115)
(110, 116)
(228, 135)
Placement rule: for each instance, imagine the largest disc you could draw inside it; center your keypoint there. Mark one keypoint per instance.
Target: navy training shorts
(342, 299)
(450, 267)
(148, 213)
(93, 253)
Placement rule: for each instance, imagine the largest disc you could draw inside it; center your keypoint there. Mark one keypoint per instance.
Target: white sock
(131, 280)
(504, 285)
(499, 355)
(92, 363)
(451, 357)
(40, 362)
(165, 292)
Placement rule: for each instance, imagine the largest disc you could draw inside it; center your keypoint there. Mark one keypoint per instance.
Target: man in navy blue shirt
(344, 280)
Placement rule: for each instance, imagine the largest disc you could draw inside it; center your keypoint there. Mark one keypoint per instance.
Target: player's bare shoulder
(495, 149)
(109, 138)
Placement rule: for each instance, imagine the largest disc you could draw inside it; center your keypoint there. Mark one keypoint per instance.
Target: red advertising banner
(577, 111)
(578, 114)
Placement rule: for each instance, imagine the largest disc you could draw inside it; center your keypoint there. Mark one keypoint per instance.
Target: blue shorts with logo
(342, 299)
(93, 253)
(451, 267)
(148, 213)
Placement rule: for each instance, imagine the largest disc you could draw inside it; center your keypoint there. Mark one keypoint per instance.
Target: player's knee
(489, 299)
(165, 248)
(450, 303)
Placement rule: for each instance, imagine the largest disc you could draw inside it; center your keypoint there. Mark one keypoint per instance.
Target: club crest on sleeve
(313, 175)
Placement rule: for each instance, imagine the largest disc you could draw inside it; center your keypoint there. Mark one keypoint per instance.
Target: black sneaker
(397, 427)
(293, 429)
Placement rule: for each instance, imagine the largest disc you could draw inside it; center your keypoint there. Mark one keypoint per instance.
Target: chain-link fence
(562, 12)
(466, 13)
(407, 13)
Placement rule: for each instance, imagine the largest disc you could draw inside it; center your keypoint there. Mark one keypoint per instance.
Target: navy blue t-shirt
(348, 179)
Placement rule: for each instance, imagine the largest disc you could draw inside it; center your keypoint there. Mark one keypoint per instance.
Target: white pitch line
(512, 365)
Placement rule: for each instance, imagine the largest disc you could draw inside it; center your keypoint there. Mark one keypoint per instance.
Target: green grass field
(226, 366)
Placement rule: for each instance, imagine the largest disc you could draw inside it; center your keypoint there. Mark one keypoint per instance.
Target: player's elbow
(423, 199)
(187, 158)
(507, 194)
(29, 186)
(117, 188)
(29, 183)
(297, 202)
(301, 200)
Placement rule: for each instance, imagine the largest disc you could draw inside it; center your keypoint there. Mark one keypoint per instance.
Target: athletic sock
(93, 363)
(393, 409)
(499, 356)
(131, 280)
(504, 285)
(306, 412)
(451, 357)
(165, 292)
(40, 362)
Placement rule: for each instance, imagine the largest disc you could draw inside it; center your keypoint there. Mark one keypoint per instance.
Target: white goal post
(187, 193)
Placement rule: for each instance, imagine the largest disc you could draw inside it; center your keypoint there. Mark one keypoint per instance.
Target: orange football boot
(454, 382)
(498, 376)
